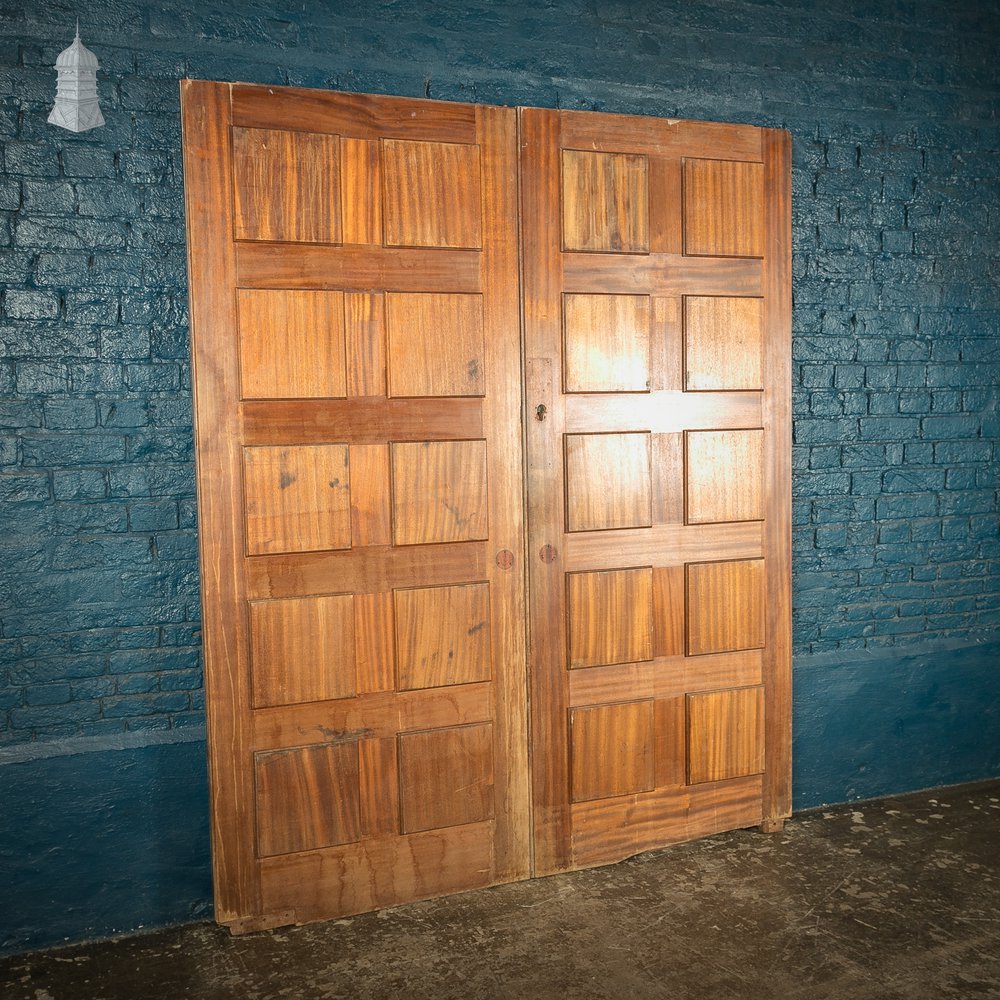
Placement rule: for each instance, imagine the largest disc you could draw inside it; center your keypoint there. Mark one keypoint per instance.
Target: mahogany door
(355, 328)
(656, 285)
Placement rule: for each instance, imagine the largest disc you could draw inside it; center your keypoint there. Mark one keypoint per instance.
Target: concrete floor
(894, 898)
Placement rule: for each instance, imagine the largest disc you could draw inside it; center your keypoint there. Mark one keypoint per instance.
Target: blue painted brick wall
(892, 106)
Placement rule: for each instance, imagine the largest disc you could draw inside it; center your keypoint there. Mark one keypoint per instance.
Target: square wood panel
(302, 649)
(725, 606)
(723, 208)
(432, 194)
(612, 750)
(436, 344)
(286, 186)
(606, 343)
(438, 492)
(610, 617)
(297, 499)
(446, 777)
(307, 798)
(724, 475)
(725, 734)
(723, 342)
(608, 481)
(442, 636)
(291, 344)
(605, 202)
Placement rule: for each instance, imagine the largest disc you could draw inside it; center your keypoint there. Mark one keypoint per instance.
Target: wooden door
(655, 270)
(355, 328)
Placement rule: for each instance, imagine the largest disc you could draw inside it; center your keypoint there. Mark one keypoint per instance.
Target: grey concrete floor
(893, 898)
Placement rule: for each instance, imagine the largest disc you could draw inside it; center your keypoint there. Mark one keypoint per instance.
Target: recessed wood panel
(608, 481)
(725, 606)
(723, 208)
(291, 344)
(436, 344)
(725, 734)
(298, 499)
(442, 636)
(302, 649)
(612, 750)
(610, 617)
(606, 343)
(438, 492)
(605, 202)
(307, 798)
(724, 475)
(446, 777)
(723, 342)
(432, 194)
(286, 186)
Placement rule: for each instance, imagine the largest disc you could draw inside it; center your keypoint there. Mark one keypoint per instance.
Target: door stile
(218, 432)
(777, 411)
(541, 280)
(497, 133)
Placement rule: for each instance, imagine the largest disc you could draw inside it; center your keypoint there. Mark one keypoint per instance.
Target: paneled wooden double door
(413, 322)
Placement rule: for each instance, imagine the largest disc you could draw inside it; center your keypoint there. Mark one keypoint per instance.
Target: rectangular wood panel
(607, 341)
(723, 342)
(291, 344)
(432, 194)
(286, 185)
(302, 649)
(608, 481)
(610, 617)
(725, 606)
(436, 344)
(307, 798)
(725, 734)
(439, 492)
(446, 777)
(297, 499)
(724, 475)
(612, 750)
(605, 202)
(443, 635)
(723, 208)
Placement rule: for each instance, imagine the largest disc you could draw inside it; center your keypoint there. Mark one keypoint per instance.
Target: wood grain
(446, 777)
(297, 499)
(605, 202)
(208, 187)
(361, 191)
(723, 208)
(442, 636)
(286, 186)
(291, 344)
(439, 492)
(432, 194)
(606, 343)
(307, 798)
(608, 481)
(723, 343)
(725, 606)
(302, 649)
(612, 750)
(724, 475)
(725, 734)
(610, 617)
(436, 345)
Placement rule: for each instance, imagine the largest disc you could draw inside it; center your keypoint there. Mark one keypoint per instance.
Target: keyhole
(540, 411)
